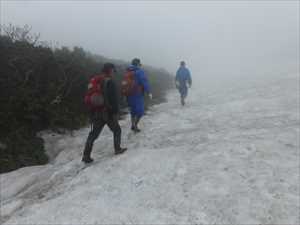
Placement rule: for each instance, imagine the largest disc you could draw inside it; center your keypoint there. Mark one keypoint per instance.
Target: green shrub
(42, 88)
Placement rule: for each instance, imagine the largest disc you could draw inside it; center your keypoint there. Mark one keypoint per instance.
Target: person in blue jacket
(136, 99)
(183, 78)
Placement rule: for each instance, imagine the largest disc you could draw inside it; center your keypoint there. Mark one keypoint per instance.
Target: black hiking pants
(98, 121)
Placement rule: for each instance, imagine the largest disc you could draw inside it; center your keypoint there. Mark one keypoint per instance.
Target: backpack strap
(138, 87)
(104, 88)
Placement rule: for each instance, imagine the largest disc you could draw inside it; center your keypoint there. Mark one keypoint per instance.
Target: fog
(216, 39)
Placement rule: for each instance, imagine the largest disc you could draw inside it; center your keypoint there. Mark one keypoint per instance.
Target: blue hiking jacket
(141, 79)
(136, 101)
(183, 76)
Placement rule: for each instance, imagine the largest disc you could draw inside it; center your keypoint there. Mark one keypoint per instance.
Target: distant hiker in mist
(102, 102)
(134, 86)
(183, 80)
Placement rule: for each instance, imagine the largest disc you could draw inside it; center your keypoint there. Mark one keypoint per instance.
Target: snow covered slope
(231, 156)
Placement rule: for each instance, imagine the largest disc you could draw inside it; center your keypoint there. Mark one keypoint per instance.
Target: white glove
(150, 96)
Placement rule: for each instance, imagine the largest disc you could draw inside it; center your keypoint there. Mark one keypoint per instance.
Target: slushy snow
(231, 156)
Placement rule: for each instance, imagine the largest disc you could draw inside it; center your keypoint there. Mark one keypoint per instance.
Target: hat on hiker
(136, 62)
(107, 67)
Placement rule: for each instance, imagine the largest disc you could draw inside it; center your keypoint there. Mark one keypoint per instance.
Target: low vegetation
(42, 87)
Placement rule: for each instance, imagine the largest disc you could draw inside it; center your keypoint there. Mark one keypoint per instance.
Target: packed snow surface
(231, 156)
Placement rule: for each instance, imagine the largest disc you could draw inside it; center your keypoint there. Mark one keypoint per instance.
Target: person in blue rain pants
(136, 99)
(183, 80)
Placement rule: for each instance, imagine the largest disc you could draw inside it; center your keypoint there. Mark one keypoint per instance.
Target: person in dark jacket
(136, 99)
(183, 77)
(108, 116)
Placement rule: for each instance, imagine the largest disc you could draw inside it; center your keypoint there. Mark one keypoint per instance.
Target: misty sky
(215, 38)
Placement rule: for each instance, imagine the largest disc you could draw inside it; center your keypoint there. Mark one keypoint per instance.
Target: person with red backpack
(103, 105)
(134, 86)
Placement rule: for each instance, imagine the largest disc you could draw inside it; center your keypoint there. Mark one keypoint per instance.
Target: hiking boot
(87, 160)
(135, 129)
(120, 151)
(182, 102)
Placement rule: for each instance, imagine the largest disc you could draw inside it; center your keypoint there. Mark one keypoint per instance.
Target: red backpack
(94, 98)
(129, 85)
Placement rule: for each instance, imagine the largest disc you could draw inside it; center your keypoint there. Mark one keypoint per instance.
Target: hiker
(136, 85)
(103, 105)
(183, 77)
